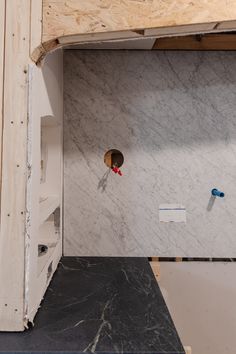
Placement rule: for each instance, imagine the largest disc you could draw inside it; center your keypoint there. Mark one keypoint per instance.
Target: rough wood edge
(161, 32)
(12, 240)
(42, 104)
(188, 350)
(156, 269)
(36, 22)
(2, 52)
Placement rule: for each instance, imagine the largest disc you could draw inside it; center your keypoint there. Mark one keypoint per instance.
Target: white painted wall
(201, 297)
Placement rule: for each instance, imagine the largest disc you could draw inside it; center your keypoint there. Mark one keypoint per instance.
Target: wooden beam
(36, 20)
(14, 169)
(218, 41)
(2, 48)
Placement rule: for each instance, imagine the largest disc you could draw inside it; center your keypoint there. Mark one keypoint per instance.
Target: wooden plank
(36, 27)
(74, 22)
(219, 41)
(2, 45)
(85, 38)
(44, 126)
(47, 207)
(156, 269)
(80, 22)
(188, 350)
(14, 169)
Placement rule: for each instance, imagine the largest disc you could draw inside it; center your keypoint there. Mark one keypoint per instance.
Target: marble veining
(173, 116)
(100, 305)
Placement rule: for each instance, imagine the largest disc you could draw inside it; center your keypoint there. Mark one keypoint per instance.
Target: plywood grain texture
(14, 169)
(73, 21)
(73, 17)
(103, 19)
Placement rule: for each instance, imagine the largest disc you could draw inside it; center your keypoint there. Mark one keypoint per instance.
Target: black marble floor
(100, 305)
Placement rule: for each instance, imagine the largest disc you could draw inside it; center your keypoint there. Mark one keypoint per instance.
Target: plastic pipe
(216, 193)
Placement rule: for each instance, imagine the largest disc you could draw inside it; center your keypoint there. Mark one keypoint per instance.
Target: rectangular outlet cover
(172, 213)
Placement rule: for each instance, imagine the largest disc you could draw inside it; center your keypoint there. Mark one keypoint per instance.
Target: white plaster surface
(173, 116)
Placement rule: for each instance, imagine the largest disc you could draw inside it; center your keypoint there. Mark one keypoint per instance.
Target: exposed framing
(35, 27)
(2, 51)
(217, 41)
(44, 195)
(75, 22)
(14, 169)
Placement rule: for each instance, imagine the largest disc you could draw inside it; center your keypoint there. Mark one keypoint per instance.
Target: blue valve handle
(216, 193)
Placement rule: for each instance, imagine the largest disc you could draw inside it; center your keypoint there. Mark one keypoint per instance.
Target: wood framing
(14, 169)
(24, 220)
(156, 269)
(33, 28)
(36, 27)
(44, 185)
(73, 21)
(2, 47)
(216, 41)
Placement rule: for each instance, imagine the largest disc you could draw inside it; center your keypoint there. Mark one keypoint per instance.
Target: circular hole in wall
(113, 158)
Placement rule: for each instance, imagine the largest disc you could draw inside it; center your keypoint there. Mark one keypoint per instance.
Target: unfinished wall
(173, 117)
(44, 185)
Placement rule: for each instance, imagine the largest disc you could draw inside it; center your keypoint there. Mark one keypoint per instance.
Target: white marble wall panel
(173, 116)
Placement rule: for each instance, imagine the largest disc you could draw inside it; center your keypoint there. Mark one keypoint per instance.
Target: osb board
(64, 18)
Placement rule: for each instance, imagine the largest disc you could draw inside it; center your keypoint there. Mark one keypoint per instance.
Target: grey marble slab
(173, 116)
(100, 305)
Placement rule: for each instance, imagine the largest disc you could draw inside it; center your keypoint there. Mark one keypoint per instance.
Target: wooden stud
(44, 188)
(36, 48)
(2, 45)
(14, 169)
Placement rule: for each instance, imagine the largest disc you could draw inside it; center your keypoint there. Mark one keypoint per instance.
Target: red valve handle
(117, 170)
